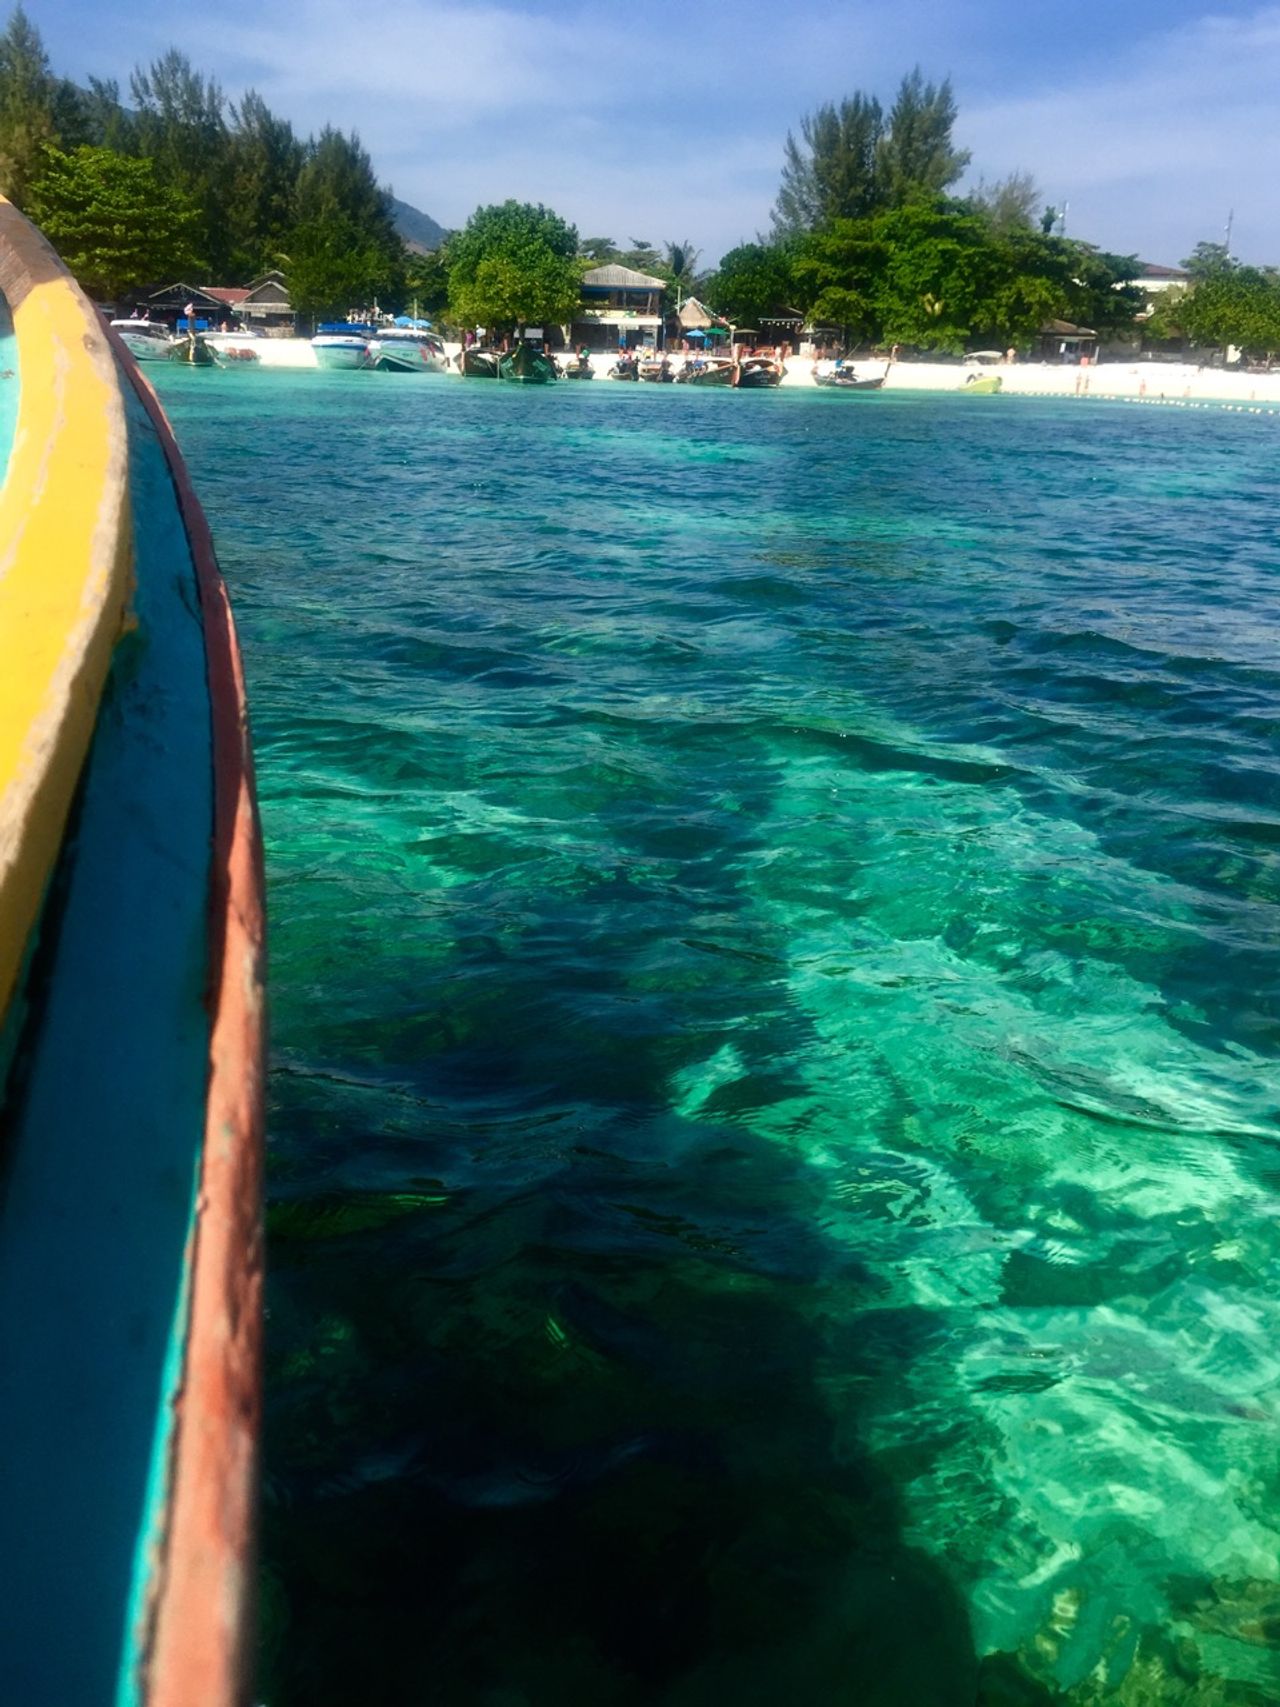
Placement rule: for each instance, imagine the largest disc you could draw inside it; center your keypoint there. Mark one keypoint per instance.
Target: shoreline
(1132, 382)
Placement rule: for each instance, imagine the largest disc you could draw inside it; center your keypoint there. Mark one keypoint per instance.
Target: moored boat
(698, 371)
(527, 365)
(579, 368)
(130, 1038)
(845, 379)
(407, 349)
(479, 362)
(657, 372)
(146, 340)
(756, 373)
(192, 350)
(982, 384)
(626, 367)
(341, 344)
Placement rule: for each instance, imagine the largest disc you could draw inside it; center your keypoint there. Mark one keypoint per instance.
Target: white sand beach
(1169, 383)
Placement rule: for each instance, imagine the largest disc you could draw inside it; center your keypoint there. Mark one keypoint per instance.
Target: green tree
(103, 122)
(1009, 204)
(1209, 260)
(935, 275)
(180, 124)
(751, 281)
(265, 159)
(680, 264)
(1233, 305)
(343, 249)
(334, 267)
(917, 158)
(851, 160)
(114, 220)
(515, 264)
(599, 251)
(27, 100)
(426, 281)
(838, 271)
(832, 172)
(642, 257)
(1101, 293)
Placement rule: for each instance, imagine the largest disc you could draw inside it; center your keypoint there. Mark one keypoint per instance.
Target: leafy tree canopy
(916, 155)
(1009, 204)
(426, 281)
(852, 160)
(264, 162)
(28, 95)
(334, 266)
(114, 220)
(1208, 260)
(515, 264)
(936, 274)
(1231, 304)
(751, 282)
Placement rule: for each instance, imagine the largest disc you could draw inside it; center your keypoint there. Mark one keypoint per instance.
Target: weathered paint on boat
(527, 366)
(130, 1238)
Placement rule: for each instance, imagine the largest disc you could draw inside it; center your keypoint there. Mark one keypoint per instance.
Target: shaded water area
(775, 998)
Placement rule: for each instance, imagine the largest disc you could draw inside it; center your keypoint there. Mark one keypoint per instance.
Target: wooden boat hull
(194, 352)
(480, 364)
(759, 376)
(131, 1041)
(722, 375)
(527, 366)
(842, 382)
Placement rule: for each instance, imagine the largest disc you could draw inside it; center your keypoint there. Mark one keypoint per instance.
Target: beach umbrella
(714, 332)
(695, 332)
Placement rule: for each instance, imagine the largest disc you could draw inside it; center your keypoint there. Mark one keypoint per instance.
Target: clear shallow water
(775, 999)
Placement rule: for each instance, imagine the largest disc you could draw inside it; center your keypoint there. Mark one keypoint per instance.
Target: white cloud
(664, 122)
(1154, 153)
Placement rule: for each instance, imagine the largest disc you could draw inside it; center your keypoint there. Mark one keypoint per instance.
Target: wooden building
(263, 305)
(622, 309)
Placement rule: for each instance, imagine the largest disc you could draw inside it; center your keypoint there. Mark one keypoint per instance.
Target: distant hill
(418, 229)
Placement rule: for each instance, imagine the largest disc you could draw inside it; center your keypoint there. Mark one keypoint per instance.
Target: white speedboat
(146, 340)
(341, 344)
(408, 349)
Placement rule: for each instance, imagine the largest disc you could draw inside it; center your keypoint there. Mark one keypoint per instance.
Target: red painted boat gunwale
(200, 1635)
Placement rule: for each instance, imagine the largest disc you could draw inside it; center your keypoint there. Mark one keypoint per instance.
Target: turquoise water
(775, 922)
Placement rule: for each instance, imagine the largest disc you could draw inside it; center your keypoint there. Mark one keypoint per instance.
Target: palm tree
(682, 259)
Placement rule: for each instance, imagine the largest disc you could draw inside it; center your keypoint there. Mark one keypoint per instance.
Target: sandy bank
(1167, 382)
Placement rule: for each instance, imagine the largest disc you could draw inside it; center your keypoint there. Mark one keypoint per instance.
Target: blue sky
(663, 120)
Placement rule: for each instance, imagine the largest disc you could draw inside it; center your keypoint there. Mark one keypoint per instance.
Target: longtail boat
(844, 379)
(717, 371)
(131, 1037)
(479, 363)
(193, 351)
(755, 373)
(527, 366)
